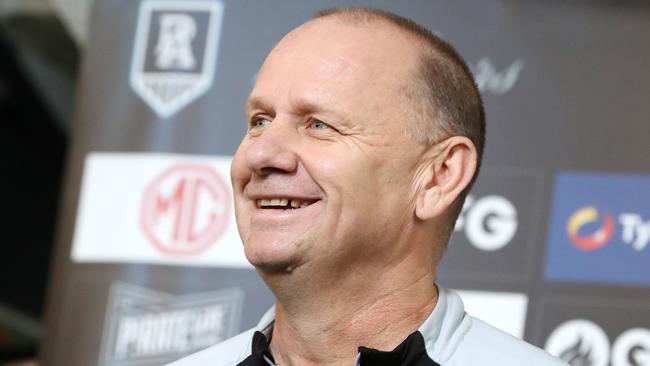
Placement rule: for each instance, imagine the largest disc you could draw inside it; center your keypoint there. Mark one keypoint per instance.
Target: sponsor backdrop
(553, 244)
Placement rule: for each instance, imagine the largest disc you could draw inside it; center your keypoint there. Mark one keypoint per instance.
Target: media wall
(553, 244)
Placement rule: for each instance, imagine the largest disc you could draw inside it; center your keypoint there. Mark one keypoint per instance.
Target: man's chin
(272, 263)
(274, 268)
(272, 254)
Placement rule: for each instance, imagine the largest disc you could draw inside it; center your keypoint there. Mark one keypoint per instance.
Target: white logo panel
(504, 310)
(159, 209)
(144, 327)
(175, 52)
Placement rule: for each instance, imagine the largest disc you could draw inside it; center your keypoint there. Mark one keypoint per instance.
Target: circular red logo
(185, 209)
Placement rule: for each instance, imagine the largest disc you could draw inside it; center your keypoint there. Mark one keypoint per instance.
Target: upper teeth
(281, 202)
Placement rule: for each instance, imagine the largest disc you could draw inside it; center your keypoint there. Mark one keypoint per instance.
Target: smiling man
(365, 132)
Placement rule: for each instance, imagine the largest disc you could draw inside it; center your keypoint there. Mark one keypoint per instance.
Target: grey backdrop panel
(566, 87)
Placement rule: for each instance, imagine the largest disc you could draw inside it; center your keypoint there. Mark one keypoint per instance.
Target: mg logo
(186, 209)
(174, 52)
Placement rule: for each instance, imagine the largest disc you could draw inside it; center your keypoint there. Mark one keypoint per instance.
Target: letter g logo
(490, 222)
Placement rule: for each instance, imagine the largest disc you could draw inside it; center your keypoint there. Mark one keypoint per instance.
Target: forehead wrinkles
(301, 83)
(348, 65)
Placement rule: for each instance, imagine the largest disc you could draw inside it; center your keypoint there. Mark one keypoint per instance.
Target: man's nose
(273, 150)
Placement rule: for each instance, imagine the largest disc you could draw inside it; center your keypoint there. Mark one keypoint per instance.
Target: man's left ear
(454, 163)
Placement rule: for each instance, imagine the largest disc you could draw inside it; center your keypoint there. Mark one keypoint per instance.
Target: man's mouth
(283, 203)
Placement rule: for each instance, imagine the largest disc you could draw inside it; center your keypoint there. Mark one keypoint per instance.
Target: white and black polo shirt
(448, 337)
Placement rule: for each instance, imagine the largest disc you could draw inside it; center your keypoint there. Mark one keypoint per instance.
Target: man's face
(326, 175)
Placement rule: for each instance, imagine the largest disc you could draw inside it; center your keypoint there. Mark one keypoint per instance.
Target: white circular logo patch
(579, 342)
(632, 348)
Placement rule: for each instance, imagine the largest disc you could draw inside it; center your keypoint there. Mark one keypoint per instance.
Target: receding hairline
(366, 16)
(362, 15)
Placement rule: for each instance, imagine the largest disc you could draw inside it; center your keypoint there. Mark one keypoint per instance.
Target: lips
(283, 209)
(274, 195)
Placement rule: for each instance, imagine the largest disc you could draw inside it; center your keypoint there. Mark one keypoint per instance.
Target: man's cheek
(239, 173)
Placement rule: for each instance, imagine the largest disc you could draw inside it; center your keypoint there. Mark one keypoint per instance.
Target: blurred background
(39, 57)
(552, 245)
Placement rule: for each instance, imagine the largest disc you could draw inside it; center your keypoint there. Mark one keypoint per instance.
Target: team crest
(175, 49)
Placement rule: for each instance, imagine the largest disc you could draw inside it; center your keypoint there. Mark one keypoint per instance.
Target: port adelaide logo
(145, 327)
(174, 53)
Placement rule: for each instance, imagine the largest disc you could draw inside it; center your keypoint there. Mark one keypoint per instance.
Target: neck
(326, 321)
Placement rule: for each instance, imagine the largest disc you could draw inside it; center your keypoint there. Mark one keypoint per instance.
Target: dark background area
(38, 63)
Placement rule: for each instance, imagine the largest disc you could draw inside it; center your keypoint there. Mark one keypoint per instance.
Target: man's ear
(451, 169)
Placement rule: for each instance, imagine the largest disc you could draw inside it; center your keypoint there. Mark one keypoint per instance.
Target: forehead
(329, 61)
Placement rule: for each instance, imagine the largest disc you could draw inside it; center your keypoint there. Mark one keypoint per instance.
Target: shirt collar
(439, 334)
(445, 328)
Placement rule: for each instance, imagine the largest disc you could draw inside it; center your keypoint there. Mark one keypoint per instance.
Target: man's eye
(260, 122)
(317, 124)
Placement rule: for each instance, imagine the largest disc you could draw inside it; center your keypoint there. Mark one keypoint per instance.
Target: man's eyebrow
(301, 105)
(256, 103)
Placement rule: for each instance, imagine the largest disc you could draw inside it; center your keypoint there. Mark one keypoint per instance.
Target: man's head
(446, 101)
(373, 128)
